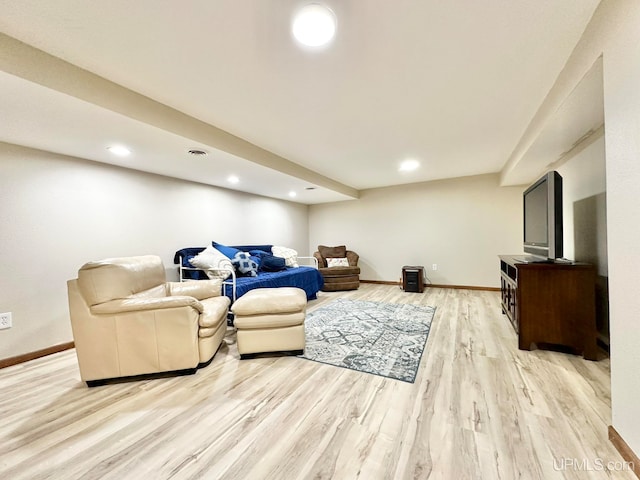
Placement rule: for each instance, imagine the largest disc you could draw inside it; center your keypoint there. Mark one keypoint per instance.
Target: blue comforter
(306, 278)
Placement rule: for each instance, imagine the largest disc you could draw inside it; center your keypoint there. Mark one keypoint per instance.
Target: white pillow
(290, 255)
(337, 262)
(211, 261)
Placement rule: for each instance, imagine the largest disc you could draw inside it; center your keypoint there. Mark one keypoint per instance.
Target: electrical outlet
(434, 266)
(5, 320)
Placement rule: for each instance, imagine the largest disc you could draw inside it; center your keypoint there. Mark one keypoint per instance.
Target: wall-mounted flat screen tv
(543, 217)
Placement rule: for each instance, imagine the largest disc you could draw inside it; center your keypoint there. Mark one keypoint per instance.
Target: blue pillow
(270, 263)
(256, 256)
(228, 252)
(243, 264)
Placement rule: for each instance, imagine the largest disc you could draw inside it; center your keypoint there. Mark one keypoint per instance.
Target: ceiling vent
(197, 152)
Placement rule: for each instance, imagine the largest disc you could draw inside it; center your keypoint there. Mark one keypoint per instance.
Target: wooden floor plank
(479, 408)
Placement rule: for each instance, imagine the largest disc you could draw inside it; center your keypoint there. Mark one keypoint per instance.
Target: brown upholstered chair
(336, 278)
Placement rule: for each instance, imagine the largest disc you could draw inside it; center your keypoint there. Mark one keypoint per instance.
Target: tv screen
(543, 217)
(536, 226)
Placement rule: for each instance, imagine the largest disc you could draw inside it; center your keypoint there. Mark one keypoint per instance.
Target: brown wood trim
(25, 357)
(380, 282)
(433, 285)
(624, 450)
(465, 287)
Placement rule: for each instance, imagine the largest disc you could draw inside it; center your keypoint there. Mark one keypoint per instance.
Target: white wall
(621, 62)
(56, 213)
(613, 33)
(584, 177)
(461, 225)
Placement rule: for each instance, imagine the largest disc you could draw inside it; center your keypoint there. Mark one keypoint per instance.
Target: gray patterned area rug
(384, 339)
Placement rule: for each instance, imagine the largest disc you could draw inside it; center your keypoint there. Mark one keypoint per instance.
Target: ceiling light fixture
(292, 194)
(409, 165)
(119, 150)
(314, 25)
(232, 179)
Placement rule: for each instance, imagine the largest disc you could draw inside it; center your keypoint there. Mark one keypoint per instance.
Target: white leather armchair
(127, 320)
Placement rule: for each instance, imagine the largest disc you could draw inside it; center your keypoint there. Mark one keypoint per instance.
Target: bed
(308, 278)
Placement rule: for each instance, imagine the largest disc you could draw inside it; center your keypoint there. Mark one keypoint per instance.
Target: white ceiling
(452, 84)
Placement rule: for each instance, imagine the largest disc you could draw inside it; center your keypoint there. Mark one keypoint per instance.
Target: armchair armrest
(125, 305)
(353, 258)
(321, 261)
(199, 290)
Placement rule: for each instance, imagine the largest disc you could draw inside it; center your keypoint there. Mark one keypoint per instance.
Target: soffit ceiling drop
(452, 85)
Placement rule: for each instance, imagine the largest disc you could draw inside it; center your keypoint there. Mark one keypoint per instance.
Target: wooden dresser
(550, 303)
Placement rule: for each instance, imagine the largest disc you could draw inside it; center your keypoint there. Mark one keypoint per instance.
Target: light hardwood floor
(479, 409)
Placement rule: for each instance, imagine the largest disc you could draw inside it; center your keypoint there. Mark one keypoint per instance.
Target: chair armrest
(353, 258)
(125, 305)
(321, 261)
(199, 290)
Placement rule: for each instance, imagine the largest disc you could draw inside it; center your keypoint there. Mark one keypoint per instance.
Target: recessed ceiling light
(119, 150)
(314, 25)
(409, 165)
(232, 179)
(310, 188)
(292, 194)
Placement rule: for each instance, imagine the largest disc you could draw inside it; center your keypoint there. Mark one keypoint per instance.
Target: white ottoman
(270, 320)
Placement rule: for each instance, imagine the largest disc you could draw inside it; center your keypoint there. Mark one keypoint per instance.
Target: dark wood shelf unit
(550, 304)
